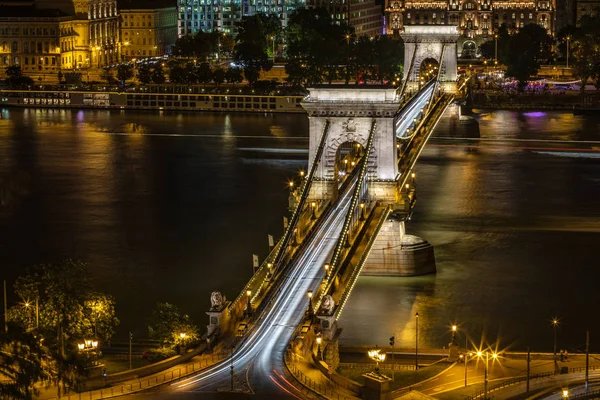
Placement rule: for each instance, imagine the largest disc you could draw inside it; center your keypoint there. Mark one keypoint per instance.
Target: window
(514, 15)
(530, 16)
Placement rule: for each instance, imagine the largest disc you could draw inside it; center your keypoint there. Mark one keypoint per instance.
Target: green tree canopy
(252, 42)
(526, 49)
(24, 362)
(170, 327)
(144, 73)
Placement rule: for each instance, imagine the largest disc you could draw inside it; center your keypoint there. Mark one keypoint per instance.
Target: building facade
(30, 38)
(147, 31)
(364, 15)
(44, 36)
(477, 21)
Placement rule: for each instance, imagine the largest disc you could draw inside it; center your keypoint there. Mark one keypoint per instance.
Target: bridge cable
(412, 63)
(335, 262)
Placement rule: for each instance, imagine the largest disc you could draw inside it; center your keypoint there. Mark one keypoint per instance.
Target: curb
(409, 387)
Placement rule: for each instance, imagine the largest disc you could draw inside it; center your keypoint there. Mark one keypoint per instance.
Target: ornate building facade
(477, 20)
(44, 36)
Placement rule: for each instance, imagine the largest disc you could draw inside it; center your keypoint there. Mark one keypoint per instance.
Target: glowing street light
(376, 355)
(319, 340)
(485, 376)
(565, 393)
(249, 306)
(309, 294)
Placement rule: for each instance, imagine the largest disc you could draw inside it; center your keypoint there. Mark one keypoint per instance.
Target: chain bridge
(348, 218)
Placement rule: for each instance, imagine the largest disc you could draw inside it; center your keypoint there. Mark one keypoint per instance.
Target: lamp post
(376, 355)
(182, 335)
(554, 325)
(273, 39)
(327, 270)
(417, 342)
(319, 340)
(496, 47)
(249, 306)
(568, 43)
(565, 393)
(310, 310)
(485, 376)
(347, 40)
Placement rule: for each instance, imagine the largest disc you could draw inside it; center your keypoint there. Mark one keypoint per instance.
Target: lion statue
(216, 300)
(328, 305)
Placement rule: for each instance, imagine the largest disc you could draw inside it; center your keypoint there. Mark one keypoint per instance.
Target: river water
(171, 206)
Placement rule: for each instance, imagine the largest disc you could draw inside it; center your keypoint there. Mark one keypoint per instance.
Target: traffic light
(392, 340)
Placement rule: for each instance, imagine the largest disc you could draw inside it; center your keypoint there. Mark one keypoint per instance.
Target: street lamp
(319, 340)
(496, 46)
(417, 342)
(568, 43)
(347, 40)
(554, 325)
(362, 211)
(327, 269)
(485, 376)
(565, 393)
(310, 310)
(249, 307)
(376, 355)
(273, 39)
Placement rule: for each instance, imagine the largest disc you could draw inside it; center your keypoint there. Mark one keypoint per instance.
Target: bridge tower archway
(430, 42)
(349, 113)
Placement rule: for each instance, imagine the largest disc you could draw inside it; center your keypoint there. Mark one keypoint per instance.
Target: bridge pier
(396, 253)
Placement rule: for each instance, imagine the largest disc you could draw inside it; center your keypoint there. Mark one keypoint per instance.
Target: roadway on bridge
(259, 359)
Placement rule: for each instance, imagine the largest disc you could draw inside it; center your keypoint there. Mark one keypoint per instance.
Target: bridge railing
(508, 382)
(168, 377)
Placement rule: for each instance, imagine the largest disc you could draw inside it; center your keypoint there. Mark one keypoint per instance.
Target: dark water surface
(169, 207)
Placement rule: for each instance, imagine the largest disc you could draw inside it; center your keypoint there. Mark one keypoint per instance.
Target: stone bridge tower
(437, 42)
(351, 112)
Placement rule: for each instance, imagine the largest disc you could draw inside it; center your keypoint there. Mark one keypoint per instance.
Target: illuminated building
(44, 36)
(477, 20)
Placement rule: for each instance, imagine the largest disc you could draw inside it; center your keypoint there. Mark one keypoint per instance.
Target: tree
(170, 327)
(253, 38)
(317, 48)
(527, 48)
(585, 50)
(15, 77)
(107, 75)
(144, 73)
(124, 72)
(234, 75)
(69, 310)
(219, 76)
(23, 363)
(158, 75)
(204, 73)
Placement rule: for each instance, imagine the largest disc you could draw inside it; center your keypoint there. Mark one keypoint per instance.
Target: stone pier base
(395, 253)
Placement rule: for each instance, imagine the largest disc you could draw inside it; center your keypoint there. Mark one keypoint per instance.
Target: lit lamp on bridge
(327, 269)
(565, 393)
(310, 309)
(313, 206)
(319, 340)
(362, 211)
(249, 306)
